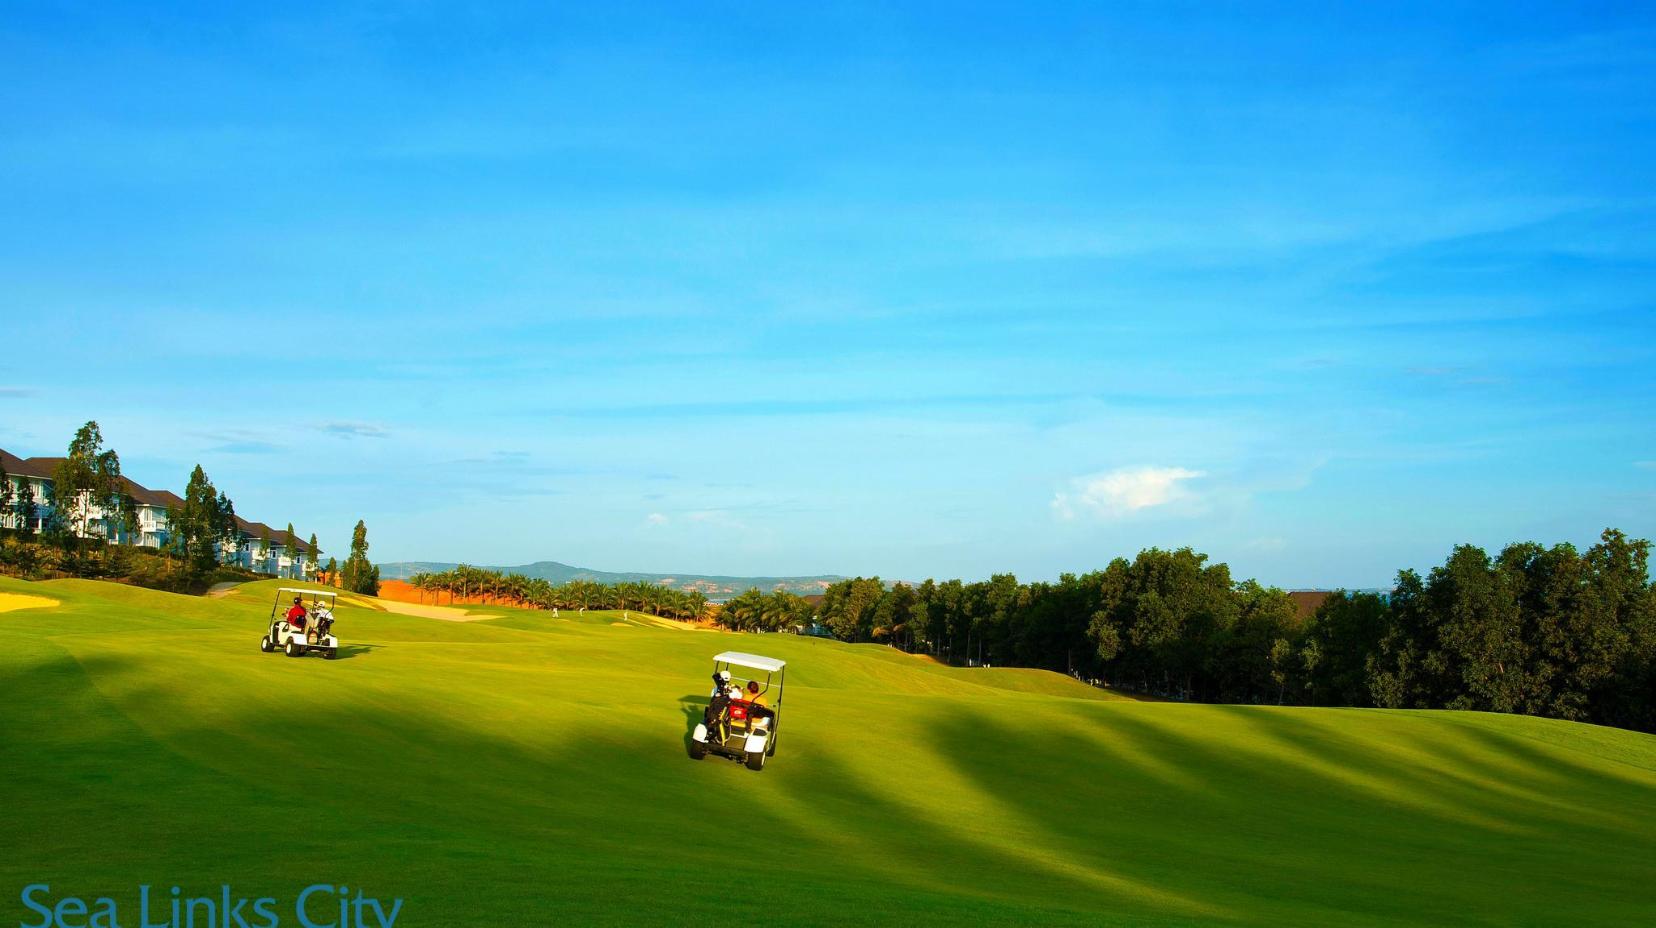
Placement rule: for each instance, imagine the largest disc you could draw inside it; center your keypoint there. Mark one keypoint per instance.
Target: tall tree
(290, 542)
(892, 613)
(780, 609)
(88, 481)
(741, 612)
(999, 601)
(848, 607)
(1338, 642)
(1480, 632)
(314, 552)
(952, 617)
(26, 505)
(1248, 660)
(358, 575)
(7, 495)
(1620, 677)
(201, 526)
(1157, 618)
(230, 526)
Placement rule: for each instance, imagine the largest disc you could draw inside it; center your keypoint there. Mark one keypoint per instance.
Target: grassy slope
(528, 770)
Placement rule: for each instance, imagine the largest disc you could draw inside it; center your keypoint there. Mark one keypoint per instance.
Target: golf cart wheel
(266, 645)
(756, 760)
(294, 648)
(697, 750)
(331, 653)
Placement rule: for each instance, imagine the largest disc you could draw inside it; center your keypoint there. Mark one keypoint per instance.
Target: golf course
(516, 768)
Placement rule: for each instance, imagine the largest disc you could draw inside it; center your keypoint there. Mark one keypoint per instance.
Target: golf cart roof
(314, 594)
(752, 661)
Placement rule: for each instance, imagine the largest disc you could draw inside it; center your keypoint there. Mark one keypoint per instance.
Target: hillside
(525, 770)
(716, 587)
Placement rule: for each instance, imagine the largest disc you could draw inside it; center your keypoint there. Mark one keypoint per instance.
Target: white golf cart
(314, 634)
(741, 730)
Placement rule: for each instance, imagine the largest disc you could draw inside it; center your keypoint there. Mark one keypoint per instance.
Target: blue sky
(931, 290)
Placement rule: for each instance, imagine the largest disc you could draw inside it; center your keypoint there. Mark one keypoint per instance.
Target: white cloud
(656, 518)
(1123, 491)
(716, 517)
(353, 429)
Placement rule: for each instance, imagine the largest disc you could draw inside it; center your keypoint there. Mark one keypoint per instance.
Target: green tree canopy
(290, 543)
(86, 484)
(358, 575)
(6, 493)
(203, 524)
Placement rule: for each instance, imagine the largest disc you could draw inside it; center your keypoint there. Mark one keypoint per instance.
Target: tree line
(751, 611)
(755, 611)
(493, 586)
(1544, 631)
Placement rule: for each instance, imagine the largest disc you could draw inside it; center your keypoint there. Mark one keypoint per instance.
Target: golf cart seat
(743, 719)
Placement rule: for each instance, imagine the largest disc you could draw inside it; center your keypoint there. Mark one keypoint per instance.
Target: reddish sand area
(403, 592)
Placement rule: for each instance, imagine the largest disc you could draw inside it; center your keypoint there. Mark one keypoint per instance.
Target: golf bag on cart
(717, 716)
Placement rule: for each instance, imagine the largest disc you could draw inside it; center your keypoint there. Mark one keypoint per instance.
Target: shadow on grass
(694, 708)
(480, 816)
(1299, 820)
(570, 813)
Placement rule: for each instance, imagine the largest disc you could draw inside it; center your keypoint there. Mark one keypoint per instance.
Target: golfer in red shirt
(296, 615)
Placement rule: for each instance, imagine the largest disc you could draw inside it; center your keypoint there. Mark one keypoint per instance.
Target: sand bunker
(652, 621)
(13, 601)
(446, 613)
(645, 620)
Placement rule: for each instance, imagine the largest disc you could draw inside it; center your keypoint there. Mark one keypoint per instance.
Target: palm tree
(742, 613)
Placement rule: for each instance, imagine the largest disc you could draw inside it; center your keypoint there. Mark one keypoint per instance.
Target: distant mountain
(714, 587)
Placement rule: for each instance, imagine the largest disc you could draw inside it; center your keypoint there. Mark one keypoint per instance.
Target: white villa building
(34, 475)
(249, 551)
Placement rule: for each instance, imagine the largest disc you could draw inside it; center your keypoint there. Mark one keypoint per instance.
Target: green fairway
(526, 770)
